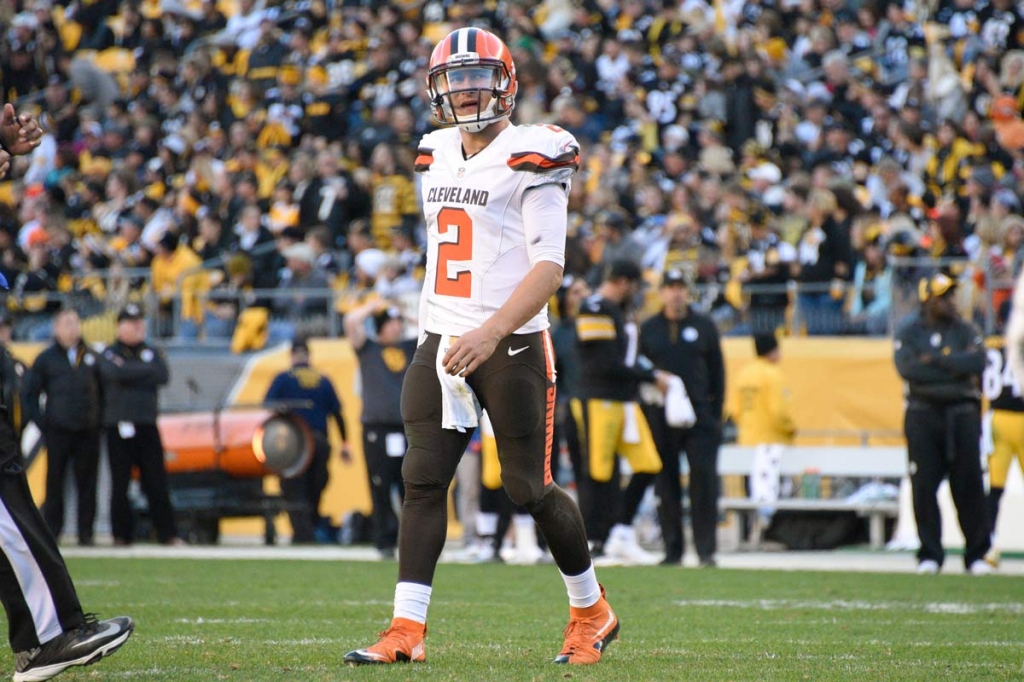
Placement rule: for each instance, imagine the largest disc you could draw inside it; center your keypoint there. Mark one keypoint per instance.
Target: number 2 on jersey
(460, 249)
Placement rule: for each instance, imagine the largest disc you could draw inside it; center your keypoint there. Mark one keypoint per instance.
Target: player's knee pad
(425, 500)
(546, 504)
(520, 491)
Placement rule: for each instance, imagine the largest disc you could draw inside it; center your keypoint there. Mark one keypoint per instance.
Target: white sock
(526, 532)
(486, 523)
(411, 601)
(583, 588)
(622, 531)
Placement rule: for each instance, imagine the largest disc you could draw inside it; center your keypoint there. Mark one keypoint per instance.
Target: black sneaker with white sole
(84, 645)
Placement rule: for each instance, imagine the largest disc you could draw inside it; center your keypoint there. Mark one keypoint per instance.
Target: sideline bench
(846, 461)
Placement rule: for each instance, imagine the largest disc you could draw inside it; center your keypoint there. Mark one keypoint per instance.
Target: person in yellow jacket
(175, 270)
(760, 406)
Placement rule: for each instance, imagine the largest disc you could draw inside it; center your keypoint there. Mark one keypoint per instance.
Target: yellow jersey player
(1006, 405)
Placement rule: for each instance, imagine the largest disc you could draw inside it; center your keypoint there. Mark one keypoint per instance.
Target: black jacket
(691, 349)
(940, 363)
(131, 377)
(608, 353)
(10, 426)
(72, 390)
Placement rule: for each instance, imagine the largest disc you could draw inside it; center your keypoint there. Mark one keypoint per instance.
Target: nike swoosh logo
(517, 351)
(103, 632)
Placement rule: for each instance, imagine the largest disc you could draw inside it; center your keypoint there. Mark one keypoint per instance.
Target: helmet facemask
(466, 73)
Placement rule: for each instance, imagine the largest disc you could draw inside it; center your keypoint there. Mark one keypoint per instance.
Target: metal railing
(793, 308)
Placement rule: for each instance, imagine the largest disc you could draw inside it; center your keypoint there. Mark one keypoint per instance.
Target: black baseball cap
(381, 318)
(132, 311)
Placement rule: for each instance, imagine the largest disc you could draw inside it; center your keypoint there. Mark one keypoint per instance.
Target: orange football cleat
(588, 633)
(400, 643)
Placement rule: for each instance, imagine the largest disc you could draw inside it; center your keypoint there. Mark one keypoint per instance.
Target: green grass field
(292, 620)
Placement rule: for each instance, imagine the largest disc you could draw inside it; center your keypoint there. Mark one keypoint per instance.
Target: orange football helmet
(471, 60)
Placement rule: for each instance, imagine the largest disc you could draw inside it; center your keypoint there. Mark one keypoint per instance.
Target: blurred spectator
(212, 240)
(33, 293)
(871, 290)
(822, 266)
(67, 374)
(303, 311)
(393, 195)
(175, 273)
(613, 231)
(319, 240)
(256, 241)
(764, 276)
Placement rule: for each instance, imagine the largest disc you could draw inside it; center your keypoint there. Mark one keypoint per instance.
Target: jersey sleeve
(594, 323)
(425, 150)
(548, 153)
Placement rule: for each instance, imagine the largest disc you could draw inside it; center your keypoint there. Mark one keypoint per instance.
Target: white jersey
(479, 248)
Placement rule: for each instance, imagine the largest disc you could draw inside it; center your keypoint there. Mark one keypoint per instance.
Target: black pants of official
(385, 474)
(145, 452)
(303, 492)
(35, 587)
(944, 441)
(700, 444)
(81, 451)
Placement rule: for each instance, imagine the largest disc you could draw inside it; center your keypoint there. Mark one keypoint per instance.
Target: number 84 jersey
(997, 381)
(479, 247)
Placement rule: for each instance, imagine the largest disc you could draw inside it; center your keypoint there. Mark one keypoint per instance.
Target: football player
(495, 199)
(1006, 420)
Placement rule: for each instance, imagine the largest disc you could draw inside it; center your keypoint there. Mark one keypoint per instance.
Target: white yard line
(866, 561)
(844, 605)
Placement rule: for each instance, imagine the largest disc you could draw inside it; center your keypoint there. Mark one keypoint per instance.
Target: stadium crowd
(785, 155)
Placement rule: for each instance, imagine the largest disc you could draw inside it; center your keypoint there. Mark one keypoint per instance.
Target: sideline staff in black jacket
(684, 342)
(132, 373)
(67, 373)
(941, 357)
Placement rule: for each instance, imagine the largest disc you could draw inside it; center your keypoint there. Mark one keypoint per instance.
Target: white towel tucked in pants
(460, 408)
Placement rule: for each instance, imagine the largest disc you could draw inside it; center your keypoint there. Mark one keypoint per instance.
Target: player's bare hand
(19, 134)
(5, 164)
(469, 352)
(662, 380)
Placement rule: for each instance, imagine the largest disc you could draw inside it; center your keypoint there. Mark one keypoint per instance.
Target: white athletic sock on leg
(412, 600)
(486, 523)
(583, 588)
(622, 532)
